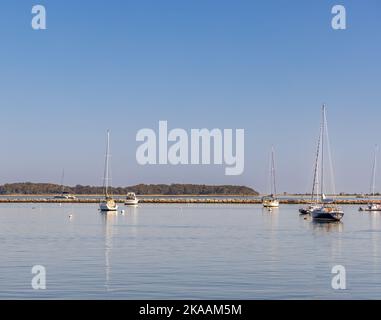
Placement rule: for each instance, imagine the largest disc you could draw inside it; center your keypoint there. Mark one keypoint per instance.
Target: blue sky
(264, 66)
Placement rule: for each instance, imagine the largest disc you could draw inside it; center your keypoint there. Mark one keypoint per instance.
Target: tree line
(142, 189)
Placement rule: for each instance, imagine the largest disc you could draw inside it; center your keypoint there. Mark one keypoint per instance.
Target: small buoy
(122, 212)
(70, 216)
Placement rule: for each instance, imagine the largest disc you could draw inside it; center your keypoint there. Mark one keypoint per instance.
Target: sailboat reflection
(108, 221)
(336, 226)
(375, 224)
(271, 216)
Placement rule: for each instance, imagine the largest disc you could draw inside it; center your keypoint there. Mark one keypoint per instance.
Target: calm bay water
(186, 252)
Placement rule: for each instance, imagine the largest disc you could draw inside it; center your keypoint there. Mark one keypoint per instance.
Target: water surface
(174, 251)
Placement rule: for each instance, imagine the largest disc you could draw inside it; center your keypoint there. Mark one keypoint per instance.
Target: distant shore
(178, 199)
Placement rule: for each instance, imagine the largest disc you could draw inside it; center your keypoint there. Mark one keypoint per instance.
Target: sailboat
(270, 201)
(314, 201)
(326, 210)
(108, 204)
(373, 206)
(64, 195)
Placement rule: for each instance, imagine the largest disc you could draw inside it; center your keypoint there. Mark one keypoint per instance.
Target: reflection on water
(375, 219)
(327, 226)
(190, 251)
(375, 223)
(271, 216)
(108, 220)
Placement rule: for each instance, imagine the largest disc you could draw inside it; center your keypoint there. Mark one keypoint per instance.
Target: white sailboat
(108, 204)
(64, 195)
(270, 201)
(314, 201)
(327, 210)
(373, 206)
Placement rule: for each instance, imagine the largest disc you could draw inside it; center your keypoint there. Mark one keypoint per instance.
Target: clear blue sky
(264, 66)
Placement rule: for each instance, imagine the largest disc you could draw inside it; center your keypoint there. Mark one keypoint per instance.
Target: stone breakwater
(184, 200)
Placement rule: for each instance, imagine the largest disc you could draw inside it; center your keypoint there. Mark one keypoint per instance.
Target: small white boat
(371, 207)
(270, 202)
(131, 199)
(108, 204)
(65, 196)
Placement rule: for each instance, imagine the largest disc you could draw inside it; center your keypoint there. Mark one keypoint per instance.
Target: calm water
(186, 251)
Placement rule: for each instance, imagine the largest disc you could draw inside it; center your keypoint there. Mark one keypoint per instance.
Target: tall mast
(273, 188)
(62, 181)
(373, 184)
(322, 152)
(315, 183)
(106, 172)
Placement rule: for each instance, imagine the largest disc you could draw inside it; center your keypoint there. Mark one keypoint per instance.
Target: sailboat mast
(315, 183)
(106, 172)
(322, 152)
(373, 185)
(273, 191)
(62, 181)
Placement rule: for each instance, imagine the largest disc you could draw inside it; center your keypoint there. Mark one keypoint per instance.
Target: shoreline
(189, 201)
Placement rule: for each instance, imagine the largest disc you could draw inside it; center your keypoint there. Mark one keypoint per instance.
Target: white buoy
(70, 216)
(122, 212)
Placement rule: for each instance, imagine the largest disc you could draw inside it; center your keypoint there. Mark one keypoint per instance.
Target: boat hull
(131, 202)
(307, 210)
(323, 215)
(371, 208)
(304, 211)
(271, 204)
(108, 206)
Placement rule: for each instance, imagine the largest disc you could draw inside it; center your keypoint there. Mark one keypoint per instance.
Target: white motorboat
(65, 196)
(371, 207)
(131, 199)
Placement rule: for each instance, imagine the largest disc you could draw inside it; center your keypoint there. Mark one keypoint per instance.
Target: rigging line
(62, 181)
(373, 180)
(273, 170)
(315, 176)
(331, 168)
(269, 177)
(106, 173)
(322, 152)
